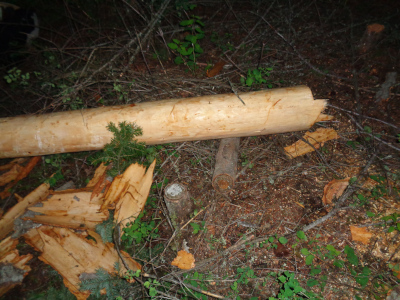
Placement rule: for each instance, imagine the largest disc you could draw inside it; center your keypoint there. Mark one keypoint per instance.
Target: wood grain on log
(175, 120)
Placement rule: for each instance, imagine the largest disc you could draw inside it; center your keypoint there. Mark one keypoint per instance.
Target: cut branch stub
(226, 165)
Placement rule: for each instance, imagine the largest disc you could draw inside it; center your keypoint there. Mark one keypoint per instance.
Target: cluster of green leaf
(53, 164)
(15, 77)
(379, 190)
(291, 288)
(395, 223)
(121, 91)
(139, 231)
(188, 50)
(242, 277)
(182, 6)
(257, 77)
(198, 227)
(367, 136)
(124, 149)
(246, 161)
(197, 280)
(351, 263)
(271, 244)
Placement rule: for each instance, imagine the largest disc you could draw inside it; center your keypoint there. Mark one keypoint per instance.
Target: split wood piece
(17, 161)
(134, 194)
(226, 165)
(71, 209)
(176, 120)
(316, 139)
(178, 202)
(11, 174)
(74, 256)
(12, 264)
(99, 175)
(7, 221)
(100, 182)
(21, 175)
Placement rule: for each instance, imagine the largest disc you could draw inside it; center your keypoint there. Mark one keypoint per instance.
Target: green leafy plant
(291, 288)
(183, 5)
(368, 130)
(197, 227)
(51, 59)
(122, 91)
(53, 164)
(123, 150)
(74, 103)
(197, 280)
(256, 77)
(15, 77)
(188, 50)
(243, 276)
(392, 217)
(152, 285)
(270, 242)
(212, 241)
(379, 190)
(139, 231)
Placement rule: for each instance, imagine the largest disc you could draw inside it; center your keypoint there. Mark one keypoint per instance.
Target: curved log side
(166, 121)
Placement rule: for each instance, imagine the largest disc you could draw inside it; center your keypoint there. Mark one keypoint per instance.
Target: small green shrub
(291, 288)
(15, 77)
(139, 231)
(256, 77)
(188, 50)
(123, 150)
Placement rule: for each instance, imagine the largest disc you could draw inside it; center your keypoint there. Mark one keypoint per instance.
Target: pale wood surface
(174, 120)
(7, 221)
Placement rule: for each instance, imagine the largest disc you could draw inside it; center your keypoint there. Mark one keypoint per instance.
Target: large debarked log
(174, 120)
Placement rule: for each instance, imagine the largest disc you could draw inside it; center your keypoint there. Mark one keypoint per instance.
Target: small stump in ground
(178, 202)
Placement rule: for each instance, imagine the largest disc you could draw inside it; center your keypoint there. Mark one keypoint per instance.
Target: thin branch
(301, 56)
(364, 116)
(373, 136)
(148, 30)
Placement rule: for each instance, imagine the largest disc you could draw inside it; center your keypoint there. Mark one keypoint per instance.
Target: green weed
(291, 288)
(15, 77)
(257, 77)
(188, 50)
(198, 227)
(139, 231)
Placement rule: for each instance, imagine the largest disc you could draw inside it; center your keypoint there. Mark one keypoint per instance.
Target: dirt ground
(325, 45)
